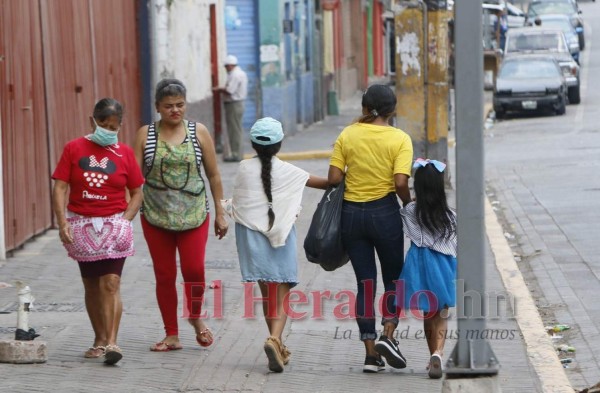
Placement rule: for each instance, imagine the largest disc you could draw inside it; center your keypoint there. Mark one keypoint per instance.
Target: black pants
(369, 227)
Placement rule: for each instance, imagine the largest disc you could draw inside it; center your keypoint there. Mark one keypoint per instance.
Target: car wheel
(581, 41)
(574, 97)
(500, 113)
(562, 107)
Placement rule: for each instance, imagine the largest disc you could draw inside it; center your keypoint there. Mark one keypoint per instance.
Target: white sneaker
(435, 366)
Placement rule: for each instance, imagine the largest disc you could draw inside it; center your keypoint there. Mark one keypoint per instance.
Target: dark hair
(265, 154)
(432, 207)
(380, 101)
(169, 88)
(106, 108)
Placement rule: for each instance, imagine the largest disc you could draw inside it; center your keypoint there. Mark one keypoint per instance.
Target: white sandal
(94, 352)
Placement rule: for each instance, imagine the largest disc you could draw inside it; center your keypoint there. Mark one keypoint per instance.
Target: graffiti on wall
(270, 64)
(409, 50)
(232, 18)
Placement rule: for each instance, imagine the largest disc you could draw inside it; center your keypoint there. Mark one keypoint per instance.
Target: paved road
(544, 174)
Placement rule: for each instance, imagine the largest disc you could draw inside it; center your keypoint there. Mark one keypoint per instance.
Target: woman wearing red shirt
(95, 225)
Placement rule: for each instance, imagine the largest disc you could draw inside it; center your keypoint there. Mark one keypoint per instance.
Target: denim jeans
(368, 227)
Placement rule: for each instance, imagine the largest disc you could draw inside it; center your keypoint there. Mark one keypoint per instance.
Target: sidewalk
(326, 353)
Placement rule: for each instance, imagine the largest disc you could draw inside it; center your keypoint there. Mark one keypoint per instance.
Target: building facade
(56, 60)
(355, 44)
(274, 43)
(69, 54)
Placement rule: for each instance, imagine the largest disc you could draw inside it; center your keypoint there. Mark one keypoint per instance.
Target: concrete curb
(487, 108)
(23, 352)
(541, 352)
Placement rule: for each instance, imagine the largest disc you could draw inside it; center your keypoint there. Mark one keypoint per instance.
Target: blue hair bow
(440, 166)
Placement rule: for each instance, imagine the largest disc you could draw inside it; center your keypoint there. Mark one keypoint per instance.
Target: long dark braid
(265, 155)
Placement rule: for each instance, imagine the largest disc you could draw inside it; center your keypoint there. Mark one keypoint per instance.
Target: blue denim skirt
(259, 261)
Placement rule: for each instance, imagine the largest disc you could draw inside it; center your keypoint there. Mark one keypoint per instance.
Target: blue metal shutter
(242, 42)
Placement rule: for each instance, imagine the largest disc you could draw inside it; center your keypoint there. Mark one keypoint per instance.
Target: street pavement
(327, 355)
(543, 174)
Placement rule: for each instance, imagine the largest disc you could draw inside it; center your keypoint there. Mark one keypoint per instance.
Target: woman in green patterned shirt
(175, 216)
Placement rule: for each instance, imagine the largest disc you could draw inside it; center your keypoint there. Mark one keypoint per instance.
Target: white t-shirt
(237, 85)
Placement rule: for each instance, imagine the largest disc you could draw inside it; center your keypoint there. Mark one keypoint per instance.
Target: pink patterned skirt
(96, 238)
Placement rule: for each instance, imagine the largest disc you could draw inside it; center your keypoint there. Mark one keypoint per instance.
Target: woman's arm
(135, 202)
(317, 182)
(402, 190)
(209, 161)
(59, 203)
(139, 145)
(335, 175)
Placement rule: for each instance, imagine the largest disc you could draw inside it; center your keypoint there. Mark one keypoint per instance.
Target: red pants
(191, 244)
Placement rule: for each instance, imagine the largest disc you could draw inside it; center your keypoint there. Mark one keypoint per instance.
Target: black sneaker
(388, 348)
(373, 364)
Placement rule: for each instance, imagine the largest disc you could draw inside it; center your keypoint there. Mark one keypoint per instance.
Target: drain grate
(47, 307)
(222, 264)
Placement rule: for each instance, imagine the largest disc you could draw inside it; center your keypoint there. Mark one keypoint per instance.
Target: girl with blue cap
(266, 201)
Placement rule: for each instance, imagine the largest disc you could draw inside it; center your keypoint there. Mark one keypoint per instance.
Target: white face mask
(104, 137)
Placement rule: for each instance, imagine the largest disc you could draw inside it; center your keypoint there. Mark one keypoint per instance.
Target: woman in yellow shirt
(375, 160)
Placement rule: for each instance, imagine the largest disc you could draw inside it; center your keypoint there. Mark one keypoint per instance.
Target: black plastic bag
(323, 242)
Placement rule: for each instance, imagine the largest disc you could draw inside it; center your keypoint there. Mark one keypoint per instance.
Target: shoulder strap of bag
(197, 149)
(150, 150)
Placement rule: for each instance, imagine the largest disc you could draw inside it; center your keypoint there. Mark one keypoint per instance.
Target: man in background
(234, 94)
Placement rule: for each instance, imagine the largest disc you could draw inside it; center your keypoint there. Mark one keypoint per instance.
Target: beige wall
(182, 44)
(347, 77)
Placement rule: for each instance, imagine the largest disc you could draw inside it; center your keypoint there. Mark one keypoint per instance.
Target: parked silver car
(562, 22)
(540, 40)
(566, 7)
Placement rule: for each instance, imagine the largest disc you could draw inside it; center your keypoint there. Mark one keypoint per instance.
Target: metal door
(25, 166)
(242, 41)
(56, 59)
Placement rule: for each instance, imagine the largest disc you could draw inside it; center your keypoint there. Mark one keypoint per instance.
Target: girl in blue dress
(429, 271)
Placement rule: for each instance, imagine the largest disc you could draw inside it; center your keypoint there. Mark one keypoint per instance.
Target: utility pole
(422, 56)
(472, 356)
